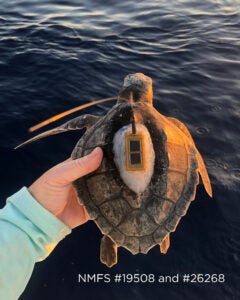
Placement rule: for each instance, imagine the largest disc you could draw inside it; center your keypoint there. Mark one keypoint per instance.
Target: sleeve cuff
(49, 224)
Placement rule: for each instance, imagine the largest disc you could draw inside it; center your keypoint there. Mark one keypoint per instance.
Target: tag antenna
(68, 112)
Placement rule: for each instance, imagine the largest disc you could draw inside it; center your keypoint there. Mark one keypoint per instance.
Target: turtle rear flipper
(74, 124)
(201, 165)
(108, 251)
(165, 244)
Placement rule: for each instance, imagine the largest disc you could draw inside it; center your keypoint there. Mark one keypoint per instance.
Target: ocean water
(55, 55)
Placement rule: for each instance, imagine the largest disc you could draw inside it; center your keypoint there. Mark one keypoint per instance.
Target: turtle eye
(134, 152)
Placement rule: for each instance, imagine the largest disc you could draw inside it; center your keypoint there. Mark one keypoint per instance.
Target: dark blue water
(55, 55)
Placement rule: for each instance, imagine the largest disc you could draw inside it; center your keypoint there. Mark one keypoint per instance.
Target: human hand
(55, 192)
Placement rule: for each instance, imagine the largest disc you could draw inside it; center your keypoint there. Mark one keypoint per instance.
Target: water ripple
(58, 55)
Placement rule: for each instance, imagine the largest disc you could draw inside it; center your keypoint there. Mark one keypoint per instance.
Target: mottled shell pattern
(132, 213)
(148, 176)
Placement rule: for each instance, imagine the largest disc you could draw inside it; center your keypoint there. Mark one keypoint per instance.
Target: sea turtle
(148, 175)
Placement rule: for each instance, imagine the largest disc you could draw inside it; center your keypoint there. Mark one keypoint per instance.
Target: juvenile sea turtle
(148, 175)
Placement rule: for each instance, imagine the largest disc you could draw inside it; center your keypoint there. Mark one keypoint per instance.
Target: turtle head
(136, 88)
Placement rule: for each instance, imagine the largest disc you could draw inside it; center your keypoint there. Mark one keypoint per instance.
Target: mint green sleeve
(28, 233)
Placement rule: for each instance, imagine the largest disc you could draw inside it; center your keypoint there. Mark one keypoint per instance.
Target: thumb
(70, 170)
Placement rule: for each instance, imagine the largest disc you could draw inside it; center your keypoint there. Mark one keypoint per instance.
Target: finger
(74, 214)
(69, 171)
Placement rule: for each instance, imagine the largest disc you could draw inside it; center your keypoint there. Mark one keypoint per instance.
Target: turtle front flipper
(108, 251)
(165, 244)
(74, 124)
(204, 174)
(201, 165)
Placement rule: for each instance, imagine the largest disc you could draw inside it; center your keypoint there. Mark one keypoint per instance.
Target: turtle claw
(108, 251)
(165, 244)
